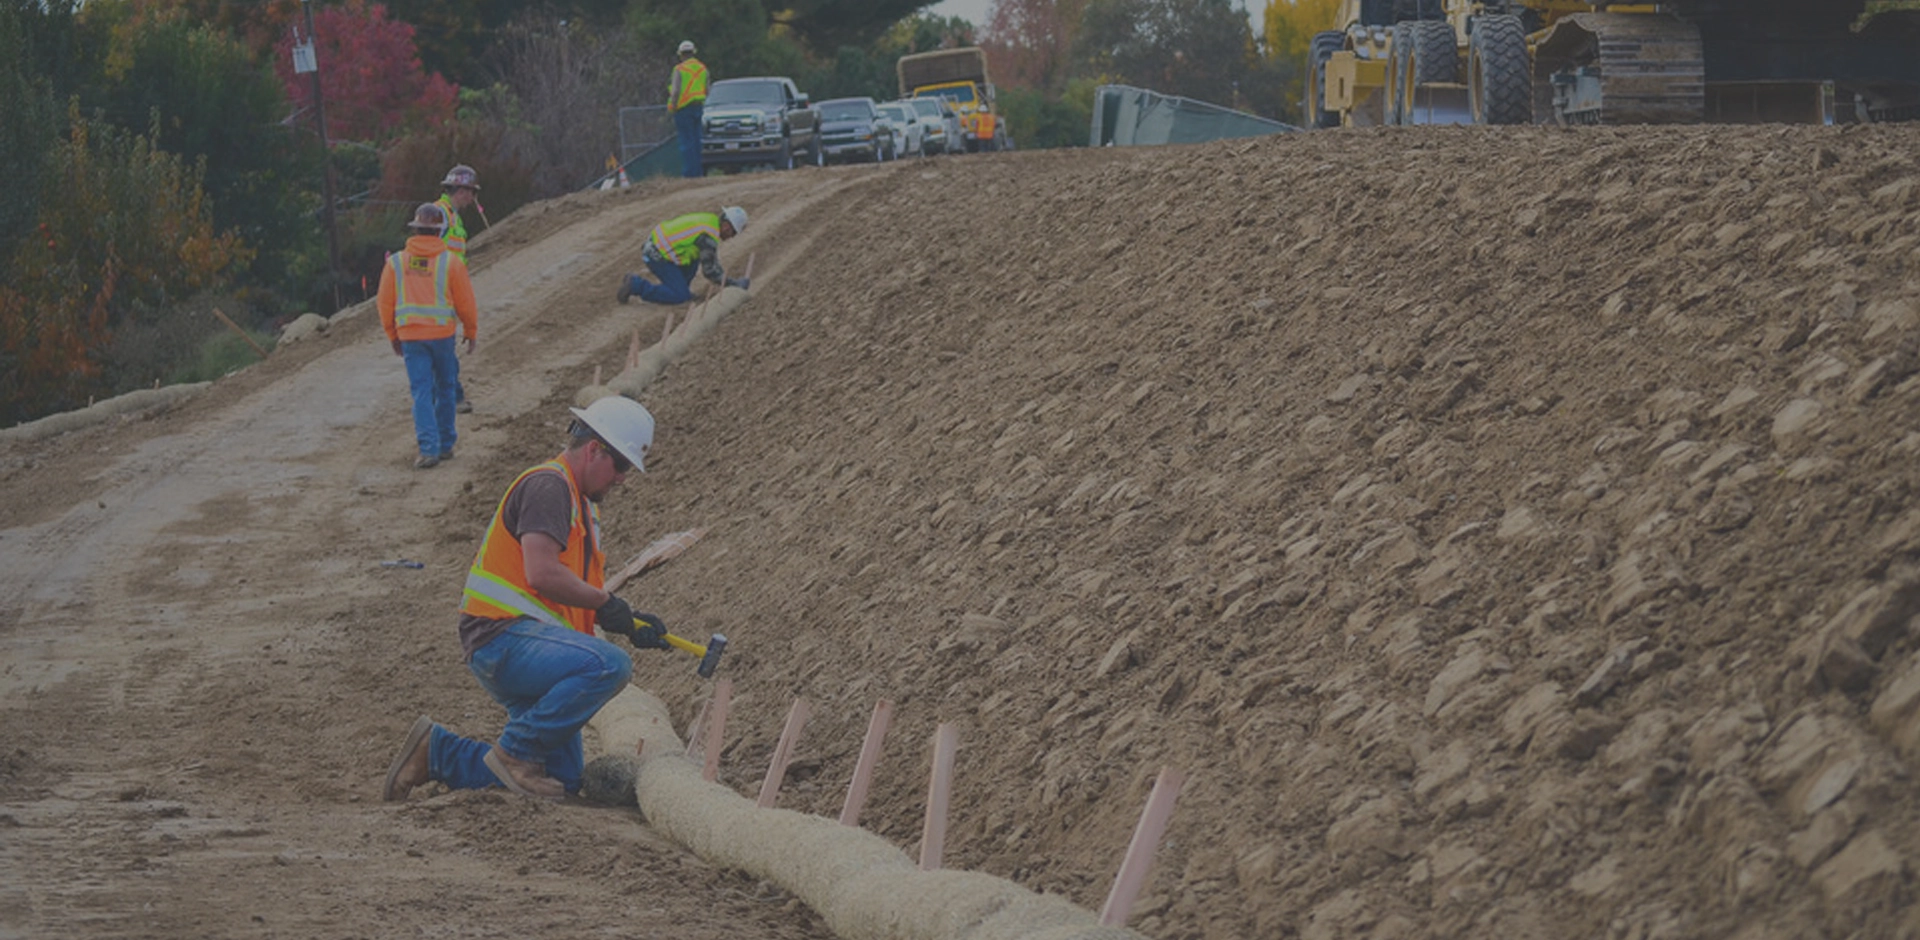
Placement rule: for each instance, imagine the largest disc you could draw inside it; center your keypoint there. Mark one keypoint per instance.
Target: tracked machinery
(1569, 62)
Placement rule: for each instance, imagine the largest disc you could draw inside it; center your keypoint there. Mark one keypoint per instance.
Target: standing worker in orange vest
(686, 100)
(459, 190)
(422, 290)
(533, 596)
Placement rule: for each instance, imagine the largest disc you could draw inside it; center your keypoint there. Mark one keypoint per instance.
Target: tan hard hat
(429, 217)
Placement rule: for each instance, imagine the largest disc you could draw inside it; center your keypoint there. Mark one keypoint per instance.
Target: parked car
(763, 120)
(851, 129)
(910, 136)
(943, 124)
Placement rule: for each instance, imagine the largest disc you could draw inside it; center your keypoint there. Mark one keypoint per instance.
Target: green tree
(123, 231)
(216, 103)
(29, 127)
(1198, 49)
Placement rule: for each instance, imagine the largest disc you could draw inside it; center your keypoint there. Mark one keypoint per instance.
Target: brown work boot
(409, 768)
(524, 777)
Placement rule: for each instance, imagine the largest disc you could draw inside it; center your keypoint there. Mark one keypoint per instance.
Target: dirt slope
(1510, 533)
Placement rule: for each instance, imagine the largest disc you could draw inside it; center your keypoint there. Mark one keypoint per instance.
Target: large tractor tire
(1432, 57)
(1399, 56)
(1322, 48)
(1499, 75)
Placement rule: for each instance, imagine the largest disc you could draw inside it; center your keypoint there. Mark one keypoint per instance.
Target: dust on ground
(1507, 530)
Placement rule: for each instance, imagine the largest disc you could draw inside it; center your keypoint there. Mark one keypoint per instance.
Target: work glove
(649, 633)
(615, 616)
(740, 282)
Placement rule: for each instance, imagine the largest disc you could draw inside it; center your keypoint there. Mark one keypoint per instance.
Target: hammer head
(711, 661)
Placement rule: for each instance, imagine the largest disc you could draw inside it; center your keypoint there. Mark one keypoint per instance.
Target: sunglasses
(620, 463)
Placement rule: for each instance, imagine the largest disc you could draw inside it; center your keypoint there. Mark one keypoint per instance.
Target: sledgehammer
(709, 654)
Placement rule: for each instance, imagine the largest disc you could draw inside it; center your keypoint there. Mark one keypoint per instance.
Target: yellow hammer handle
(682, 643)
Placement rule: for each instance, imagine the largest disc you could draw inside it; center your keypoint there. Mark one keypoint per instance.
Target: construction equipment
(1572, 62)
(959, 76)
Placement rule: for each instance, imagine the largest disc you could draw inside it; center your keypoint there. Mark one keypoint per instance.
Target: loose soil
(1509, 532)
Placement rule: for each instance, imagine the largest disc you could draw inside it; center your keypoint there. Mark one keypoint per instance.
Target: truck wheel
(1323, 47)
(819, 152)
(1499, 78)
(785, 160)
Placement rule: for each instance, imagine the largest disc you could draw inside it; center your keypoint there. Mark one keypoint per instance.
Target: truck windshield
(959, 94)
(744, 93)
(845, 111)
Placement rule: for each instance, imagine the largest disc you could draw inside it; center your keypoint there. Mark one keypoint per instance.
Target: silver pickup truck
(753, 121)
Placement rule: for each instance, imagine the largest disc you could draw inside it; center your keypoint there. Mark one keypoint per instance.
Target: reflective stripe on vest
(691, 78)
(674, 238)
(405, 312)
(497, 585)
(456, 228)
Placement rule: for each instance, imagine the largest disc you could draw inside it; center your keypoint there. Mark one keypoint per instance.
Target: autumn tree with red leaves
(371, 79)
(1029, 43)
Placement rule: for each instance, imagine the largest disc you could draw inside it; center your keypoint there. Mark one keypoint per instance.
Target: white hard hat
(686, 47)
(622, 422)
(736, 217)
(429, 218)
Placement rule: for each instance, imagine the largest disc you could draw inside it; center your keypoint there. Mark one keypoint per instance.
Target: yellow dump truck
(960, 77)
(1570, 62)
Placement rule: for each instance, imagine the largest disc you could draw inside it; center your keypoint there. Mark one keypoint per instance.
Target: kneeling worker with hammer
(532, 598)
(676, 247)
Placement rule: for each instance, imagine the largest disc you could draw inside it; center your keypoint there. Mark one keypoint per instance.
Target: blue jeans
(552, 681)
(432, 373)
(675, 285)
(686, 124)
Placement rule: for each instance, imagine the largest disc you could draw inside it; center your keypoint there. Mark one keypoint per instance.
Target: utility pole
(311, 65)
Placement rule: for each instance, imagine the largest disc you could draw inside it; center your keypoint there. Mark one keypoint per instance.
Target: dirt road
(1509, 533)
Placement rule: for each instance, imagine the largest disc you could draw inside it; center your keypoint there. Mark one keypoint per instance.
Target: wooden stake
(863, 769)
(933, 835)
(243, 333)
(777, 770)
(659, 552)
(633, 350)
(693, 750)
(716, 732)
(1146, 839)
(596, 375)
(666, 327)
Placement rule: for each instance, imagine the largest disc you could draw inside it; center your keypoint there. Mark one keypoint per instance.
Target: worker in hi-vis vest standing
(422, 290)
(533, 596)
(459, 190)
(686, 99)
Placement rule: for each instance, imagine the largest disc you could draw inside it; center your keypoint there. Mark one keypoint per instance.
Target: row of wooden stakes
(707, 736)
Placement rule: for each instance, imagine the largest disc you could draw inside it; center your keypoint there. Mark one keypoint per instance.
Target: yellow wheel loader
(1571, 62)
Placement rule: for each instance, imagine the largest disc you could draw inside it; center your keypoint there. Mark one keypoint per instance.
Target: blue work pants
(552, 681)
(675, 287)
(686, 124)
(433, 372)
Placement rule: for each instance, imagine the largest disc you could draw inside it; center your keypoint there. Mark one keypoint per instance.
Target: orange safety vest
(689, 84)
(497, 583)
(412, 274)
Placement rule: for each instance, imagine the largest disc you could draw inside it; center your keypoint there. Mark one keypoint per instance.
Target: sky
(975, 11)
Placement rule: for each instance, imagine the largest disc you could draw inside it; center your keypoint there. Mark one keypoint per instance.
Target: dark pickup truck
(752, 121)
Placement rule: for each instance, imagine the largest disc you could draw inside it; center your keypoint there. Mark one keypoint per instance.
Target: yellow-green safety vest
(689, 83)
(456, 228)
(674, 238)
